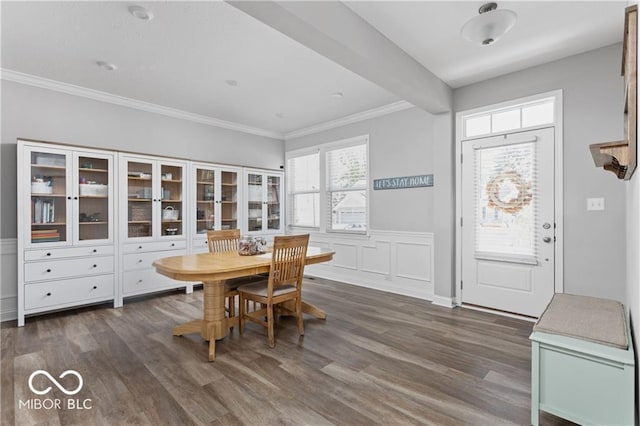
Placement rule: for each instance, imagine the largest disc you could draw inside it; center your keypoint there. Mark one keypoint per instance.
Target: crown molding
(350, 119)
(70, 89)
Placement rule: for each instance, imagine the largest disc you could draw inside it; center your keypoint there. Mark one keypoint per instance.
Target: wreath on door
(509, 192)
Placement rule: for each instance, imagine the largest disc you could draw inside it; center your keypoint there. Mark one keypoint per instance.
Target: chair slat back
(287, 261)
(223, 240)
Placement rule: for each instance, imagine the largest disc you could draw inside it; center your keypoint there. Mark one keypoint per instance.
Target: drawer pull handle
(139, 247)
(95, 250)
(49, 294)
(139, 281)
(173, 244)
(95, 266)
(95, 287)
(48, 254)
(48, 270)
(139, 260)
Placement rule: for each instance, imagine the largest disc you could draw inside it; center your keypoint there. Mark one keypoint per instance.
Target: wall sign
(403, 182)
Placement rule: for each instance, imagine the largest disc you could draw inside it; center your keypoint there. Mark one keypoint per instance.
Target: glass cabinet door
(94, 203)
(171, 197)
(205, 200)
(255, 202)
(50, 196)
(228, 199)
(139, 199)
(273, 203)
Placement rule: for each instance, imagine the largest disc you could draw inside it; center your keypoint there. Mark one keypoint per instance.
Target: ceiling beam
(339, 34)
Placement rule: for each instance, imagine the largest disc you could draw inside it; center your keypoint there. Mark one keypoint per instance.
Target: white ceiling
(184, 56)
(545, 31)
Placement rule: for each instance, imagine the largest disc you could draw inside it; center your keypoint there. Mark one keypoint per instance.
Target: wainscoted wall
(397, 262)
(8, 279)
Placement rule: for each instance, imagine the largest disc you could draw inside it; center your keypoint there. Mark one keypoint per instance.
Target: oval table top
(222, 266)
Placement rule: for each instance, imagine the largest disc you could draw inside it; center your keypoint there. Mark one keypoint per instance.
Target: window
(327, 187)
(303, 178)
(347, 188)
(531, 114)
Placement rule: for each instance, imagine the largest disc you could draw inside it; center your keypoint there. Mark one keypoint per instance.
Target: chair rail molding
(392, 261)
(8, 279)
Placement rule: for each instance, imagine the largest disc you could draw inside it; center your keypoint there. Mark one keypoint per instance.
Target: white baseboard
(446, 302)
(8, 279)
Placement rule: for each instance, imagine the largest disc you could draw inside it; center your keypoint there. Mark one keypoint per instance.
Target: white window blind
(506, 207)
(347, 177)
(303, 179)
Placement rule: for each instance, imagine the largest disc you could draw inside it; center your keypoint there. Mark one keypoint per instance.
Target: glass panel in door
(273, 202)
(205, 200)
(505, 202)
(93, 203)
(229, 199)
(254, 199)
(171, 196)
(48, 197)
(139, 199)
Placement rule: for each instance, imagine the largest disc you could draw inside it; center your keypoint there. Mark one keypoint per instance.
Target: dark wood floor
(378, 359)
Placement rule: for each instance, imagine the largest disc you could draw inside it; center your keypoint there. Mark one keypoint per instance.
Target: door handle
(547, 239)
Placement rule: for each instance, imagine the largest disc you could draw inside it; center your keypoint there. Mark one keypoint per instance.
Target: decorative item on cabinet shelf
(93, 189)
(199, 214)
(139, 175)
(138, 230)
(95, 217)
(49, 160)
(166, 194)
(171, 231)
(166, 176)
(169, 213)
(145, 193)
(42, 185)
(139, 213)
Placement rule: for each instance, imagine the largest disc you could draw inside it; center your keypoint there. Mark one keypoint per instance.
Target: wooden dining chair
(283, 285)
(223, 241)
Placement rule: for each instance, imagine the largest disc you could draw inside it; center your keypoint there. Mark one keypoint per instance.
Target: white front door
(508, 230)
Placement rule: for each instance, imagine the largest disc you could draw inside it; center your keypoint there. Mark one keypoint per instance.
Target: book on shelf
(44, 211)
(45, 235)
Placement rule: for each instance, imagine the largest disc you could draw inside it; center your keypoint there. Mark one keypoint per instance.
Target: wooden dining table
(212, 269)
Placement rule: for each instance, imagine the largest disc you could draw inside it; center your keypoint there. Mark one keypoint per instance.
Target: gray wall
(594, 259)
(34, 113)
(400, 144)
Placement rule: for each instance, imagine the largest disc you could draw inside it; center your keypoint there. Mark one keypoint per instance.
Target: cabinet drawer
(155, 246)
(60, 253)
(146, 281)
(40, 271)
(200, 246)
(136, 261)
(65, 292)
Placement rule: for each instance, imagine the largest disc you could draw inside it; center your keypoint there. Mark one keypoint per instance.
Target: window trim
(322, 149)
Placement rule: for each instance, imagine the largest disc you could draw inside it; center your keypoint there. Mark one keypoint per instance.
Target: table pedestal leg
(213, 325)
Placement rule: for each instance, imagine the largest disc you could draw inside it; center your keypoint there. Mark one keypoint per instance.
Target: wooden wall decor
(620, 157)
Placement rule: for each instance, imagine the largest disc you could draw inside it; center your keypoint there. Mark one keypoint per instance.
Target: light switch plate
(595, 204)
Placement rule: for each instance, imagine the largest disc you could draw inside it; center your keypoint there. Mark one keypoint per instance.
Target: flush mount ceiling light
(489, 25)
(232, 83)
(107, 66)
(140, 13)
(337, 95)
